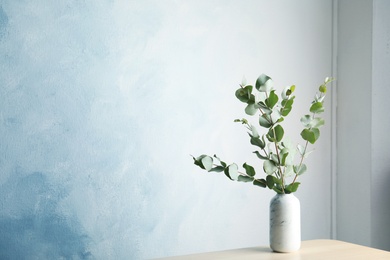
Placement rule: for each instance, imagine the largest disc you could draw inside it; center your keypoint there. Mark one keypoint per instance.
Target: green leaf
(251, 109)
(232, 171)
(264, 83)
(217, 169)
(289, 171)
(300, 169)
(243, 121)
(275, 116)
(305, 120)
(322, 88)
(284, 157)
(288, 102)
(301, 149)
(316, 132)
(260, 182)
(270, 181)
(264, 108)
(204, 161)
(293, 187)
(309, 122)
(278, 189)
(260, 156)
(207, 162)
(272, 99)
(317, 107)
(245, 94)
(276, 134)
(279, 132)
(258, 142)
(269, 167)
(244, 178)
(287, 91)
(310, 135)
(285, 111)
(249, 169)
(253, 129)
(264, 121)
(274, 158)
(317, 122)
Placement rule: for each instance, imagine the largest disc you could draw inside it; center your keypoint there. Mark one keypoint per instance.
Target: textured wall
(101, 103)
(380, 166)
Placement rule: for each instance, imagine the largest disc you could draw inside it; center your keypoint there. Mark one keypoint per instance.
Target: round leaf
(232, 171)
(207, 162)
(279, 132)
(317, 107)
(264, 121)
(249, 169)
(264, 83)
(269, 167)
(260, 182)
(244, 178)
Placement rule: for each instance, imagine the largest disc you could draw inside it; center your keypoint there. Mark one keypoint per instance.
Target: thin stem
(300, 163)
(279, 168)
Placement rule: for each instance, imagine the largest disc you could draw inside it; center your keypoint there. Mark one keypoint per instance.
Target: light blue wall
(102, 102)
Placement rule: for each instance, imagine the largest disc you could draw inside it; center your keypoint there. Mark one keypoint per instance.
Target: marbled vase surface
(285, 223)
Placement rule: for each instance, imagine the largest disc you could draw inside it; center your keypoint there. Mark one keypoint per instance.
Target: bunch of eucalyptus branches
(278, 154)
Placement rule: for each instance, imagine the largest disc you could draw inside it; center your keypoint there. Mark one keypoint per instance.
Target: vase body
(285, 223)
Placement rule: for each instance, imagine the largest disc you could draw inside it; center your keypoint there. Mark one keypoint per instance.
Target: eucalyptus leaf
(243, 81)
(249, 169)
(251, 109)
(306, 120)
(279, 133)
(272, 100)
(275, 158)
(217, 169)
(260, 156)
(284, 157)
(285, 111)
(289, 171)
(322, 88)
(278, 189)
(307, 153)
(265, 121)
(264, 83)
(293, 187)
(300, 169)
(244, 178)
(275, 115)
(232, 171)
(270, 181)
(275, 134)
(301, 149)
(317, 107)
(207, 162)
(254, 134)
(264, 108)
(244, 94)
(308, 135)
(258, 142)
(269, 167)
(260, 182)
(317, 122)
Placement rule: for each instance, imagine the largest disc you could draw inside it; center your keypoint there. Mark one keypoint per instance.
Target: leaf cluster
(276, 153)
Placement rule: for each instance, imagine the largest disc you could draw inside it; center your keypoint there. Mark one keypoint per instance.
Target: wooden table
(310, 250)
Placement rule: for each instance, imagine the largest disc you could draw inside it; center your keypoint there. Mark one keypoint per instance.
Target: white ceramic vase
(285, 223)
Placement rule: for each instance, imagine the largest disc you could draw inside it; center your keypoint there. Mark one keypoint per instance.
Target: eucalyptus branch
(277, 163)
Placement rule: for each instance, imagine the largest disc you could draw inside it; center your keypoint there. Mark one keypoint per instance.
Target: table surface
(311, 249)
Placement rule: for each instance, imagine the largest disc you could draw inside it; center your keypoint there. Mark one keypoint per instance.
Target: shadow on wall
(30, 225)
